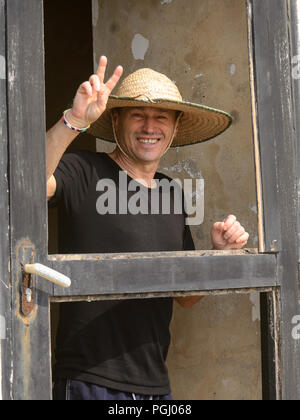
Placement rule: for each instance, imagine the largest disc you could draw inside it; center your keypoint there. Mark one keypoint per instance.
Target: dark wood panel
(295, 54)
(270, 85)
(5, 293)
(26, 130)
(273, 31)
(142, 273)
(26, 115)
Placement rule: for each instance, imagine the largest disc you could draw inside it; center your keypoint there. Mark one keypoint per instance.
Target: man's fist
(229, 234)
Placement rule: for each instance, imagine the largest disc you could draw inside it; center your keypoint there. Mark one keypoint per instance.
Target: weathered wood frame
(272, 34)
(5, 284)
(26, 372)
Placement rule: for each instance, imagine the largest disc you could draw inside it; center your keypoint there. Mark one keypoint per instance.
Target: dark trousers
(73, 390)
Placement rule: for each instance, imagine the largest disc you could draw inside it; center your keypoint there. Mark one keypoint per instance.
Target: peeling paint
(187, 165)
(96, 61)
(139, 46)
(11, 77)
(232, 69)
(254, 208)
(225, 382)
(2, 68)
(95, 12)
(2, 328)
(254, 299)
(269, 84)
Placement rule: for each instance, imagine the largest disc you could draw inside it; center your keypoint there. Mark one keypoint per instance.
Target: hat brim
(197, 124)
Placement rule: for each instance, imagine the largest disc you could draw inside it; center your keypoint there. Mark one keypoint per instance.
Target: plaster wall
(202, 46)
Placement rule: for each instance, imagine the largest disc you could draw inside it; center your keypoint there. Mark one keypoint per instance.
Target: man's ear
(115, 117)
(178, 118)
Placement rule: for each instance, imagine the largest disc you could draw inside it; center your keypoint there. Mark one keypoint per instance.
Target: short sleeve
(72, 176)
(188, 242)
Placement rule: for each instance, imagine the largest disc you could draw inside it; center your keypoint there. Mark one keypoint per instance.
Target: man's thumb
(219, 226)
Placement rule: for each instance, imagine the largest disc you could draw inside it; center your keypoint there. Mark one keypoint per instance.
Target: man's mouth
(149, 140)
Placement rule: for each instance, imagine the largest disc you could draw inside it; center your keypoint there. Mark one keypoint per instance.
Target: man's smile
(151, 140)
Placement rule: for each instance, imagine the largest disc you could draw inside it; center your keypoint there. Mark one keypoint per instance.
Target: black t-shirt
(121, 344)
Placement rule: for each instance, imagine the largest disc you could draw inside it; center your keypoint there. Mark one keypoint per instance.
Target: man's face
(144, 133)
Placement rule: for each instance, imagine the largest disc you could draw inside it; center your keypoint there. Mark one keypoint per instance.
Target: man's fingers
(102, 68)
(86, 88)
(229, 221)
(235, 227)
(233, 233)
(236, 234)
(218, 226)
(111, 83)
(95, 82)
(243, 238)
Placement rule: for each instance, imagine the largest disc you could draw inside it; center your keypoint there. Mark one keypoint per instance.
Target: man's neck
(142, 171)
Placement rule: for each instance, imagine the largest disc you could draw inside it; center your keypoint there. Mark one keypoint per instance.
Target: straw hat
(146, 87)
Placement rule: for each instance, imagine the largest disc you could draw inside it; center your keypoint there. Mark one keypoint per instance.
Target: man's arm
(58, 138)
(188, 301)
(224, 235)
(88, 105)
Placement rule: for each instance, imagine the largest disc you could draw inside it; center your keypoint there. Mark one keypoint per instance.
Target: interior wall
(202, 46)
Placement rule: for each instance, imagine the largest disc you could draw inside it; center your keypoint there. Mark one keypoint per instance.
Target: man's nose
(149, 125)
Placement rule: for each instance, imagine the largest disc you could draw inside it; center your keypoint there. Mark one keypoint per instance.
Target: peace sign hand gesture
(92, 96)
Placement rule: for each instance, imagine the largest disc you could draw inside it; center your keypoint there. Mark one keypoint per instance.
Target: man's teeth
(151, 141)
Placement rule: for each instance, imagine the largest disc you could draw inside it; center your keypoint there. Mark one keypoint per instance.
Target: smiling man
(117, 349)
(145, 134)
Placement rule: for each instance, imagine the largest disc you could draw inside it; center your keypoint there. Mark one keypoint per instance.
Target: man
(117, 349)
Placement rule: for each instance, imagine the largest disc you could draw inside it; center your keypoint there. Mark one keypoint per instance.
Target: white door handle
(49, 274)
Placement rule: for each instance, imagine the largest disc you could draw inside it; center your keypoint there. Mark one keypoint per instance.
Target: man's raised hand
(92, 96)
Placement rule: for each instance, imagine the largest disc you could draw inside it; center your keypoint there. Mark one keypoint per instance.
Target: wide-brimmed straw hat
(146, 87)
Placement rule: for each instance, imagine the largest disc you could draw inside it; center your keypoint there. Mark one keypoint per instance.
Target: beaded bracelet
(66, 122)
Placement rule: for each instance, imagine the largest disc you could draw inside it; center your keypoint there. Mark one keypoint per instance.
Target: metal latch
(27, 301)
(48, 273)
